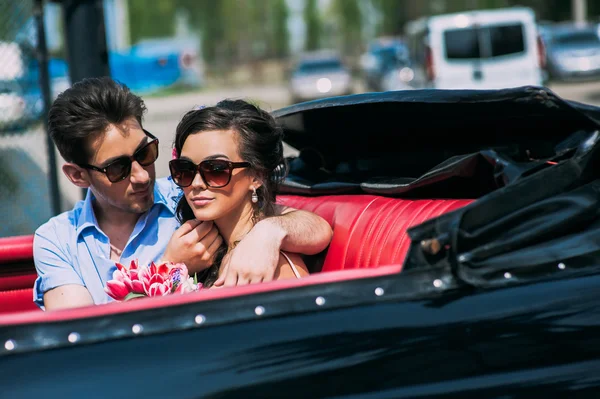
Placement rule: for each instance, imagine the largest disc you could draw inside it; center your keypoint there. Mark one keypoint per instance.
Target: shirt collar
(87, 217)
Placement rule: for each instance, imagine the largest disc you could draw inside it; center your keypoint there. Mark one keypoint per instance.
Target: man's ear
(76, 174)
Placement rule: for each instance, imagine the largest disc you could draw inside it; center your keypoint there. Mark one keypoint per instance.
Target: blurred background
(180, 53)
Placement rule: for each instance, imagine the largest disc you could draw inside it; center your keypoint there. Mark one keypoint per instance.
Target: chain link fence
(25, 197)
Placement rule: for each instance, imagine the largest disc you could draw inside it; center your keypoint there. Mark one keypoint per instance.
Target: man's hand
(255, 258)
(195, 244)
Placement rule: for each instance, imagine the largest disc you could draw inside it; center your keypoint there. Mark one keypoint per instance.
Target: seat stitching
(405, 204)
(352, 228)
(372, 225)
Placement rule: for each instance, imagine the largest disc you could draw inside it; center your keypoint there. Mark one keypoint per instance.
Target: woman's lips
(201, 201)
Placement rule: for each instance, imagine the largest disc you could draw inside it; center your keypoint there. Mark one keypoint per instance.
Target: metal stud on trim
(562, 266)
(507, 275)
(437, 283)
(73, 337)
(199, 319)
(259, 310)
(137, 328)
(320, 301)
(379, 291)
(10, 345)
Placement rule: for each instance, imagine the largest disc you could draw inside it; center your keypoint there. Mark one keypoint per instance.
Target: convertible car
(465, 263)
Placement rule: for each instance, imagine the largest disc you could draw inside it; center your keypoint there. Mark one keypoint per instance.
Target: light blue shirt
(72, 249)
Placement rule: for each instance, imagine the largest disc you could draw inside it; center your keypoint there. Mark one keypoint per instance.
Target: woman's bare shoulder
(284, 269)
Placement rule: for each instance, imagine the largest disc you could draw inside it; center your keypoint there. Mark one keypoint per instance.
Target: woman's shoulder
(290, 265)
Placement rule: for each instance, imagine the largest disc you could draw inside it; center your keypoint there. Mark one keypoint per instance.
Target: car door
(510, 50)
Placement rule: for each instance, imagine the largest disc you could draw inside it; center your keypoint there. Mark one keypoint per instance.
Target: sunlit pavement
(584, 92)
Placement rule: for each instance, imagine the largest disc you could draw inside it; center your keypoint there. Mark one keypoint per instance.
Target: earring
(254, 196)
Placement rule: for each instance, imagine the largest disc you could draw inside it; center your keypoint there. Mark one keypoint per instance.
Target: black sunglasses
(120, 168)
(216, 173)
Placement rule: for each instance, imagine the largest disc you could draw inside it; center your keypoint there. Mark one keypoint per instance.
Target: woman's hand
(195, 243)
(255, 258)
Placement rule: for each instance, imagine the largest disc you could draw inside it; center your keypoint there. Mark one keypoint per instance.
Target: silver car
(572, 53)
(320, 76)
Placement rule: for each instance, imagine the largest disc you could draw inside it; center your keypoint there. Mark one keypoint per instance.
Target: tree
(393, 15)
(349, 23)
(312, 20)
(208, 17)
(155, 21)
(280, 32)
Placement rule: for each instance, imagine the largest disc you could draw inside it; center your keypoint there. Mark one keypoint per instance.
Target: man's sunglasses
(216, 173)
(120, 168)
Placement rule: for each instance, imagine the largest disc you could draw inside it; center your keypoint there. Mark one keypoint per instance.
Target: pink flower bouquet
(136, 282)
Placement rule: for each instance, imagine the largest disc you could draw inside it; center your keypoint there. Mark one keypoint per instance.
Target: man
(97, 128)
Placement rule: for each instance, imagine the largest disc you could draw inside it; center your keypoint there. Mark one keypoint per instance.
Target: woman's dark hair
(87, 109)
(259, 142)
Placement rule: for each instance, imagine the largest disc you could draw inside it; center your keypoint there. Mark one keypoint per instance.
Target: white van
(484, 49)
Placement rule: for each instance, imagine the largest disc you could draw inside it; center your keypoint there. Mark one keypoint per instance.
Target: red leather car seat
(17, 274)
(368, 230)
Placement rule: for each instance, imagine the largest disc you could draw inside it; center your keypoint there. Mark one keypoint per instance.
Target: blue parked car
(153, 64)
(384, 56)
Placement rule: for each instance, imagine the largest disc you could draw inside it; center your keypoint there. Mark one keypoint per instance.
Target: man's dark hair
(87, 109)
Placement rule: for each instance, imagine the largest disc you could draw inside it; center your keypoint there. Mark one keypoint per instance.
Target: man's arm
(58, 286)
(256, 256)
(67, 296)
(304, 232)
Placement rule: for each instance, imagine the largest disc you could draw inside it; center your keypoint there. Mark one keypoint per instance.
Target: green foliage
(312, 19)
(239, 30)
(348, 16)
(391, 12)
(151, 21)
(281, 34)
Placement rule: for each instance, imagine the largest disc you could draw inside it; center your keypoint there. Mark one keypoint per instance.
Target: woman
(226, 158)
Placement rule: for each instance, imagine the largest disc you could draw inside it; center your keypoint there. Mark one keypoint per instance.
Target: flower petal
(118, 275)
(163, 270)
(116, 290)
(144, 275)
(157, 278)
(133, 274)
(152, 268)
(138, 287)
(158, 289)
(128, 284)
